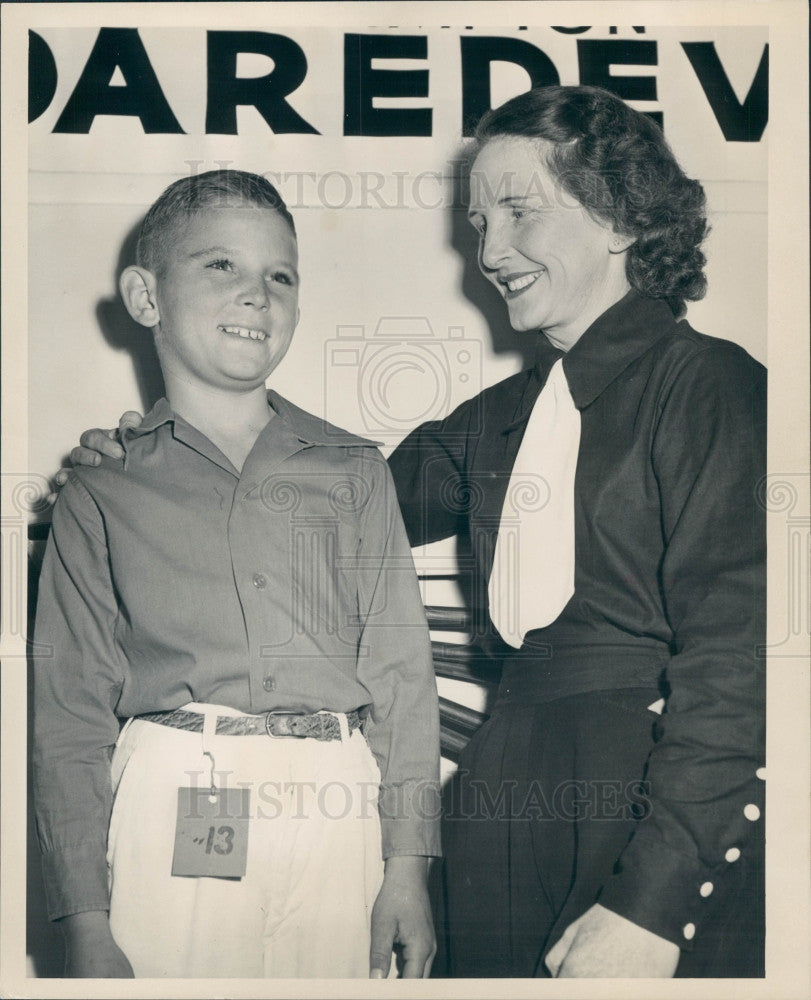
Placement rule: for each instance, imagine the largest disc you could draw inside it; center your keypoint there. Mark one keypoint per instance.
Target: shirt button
(269, 683)
(751, 812)
(260, 581)
(706, 889)
(689, 931)
(732, 854)
(761, 773)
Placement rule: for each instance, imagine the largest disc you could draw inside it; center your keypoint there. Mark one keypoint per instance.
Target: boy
(239, 587)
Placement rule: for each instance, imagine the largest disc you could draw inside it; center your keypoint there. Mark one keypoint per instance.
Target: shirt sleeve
(395, 665)
(704, 775)
(77, 680)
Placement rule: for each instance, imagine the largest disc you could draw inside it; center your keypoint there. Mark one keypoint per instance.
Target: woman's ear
(619, 243)
(138, 287)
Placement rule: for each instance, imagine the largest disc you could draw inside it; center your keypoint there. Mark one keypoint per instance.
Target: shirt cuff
(76, 879)
(662, 889)
(409, 818)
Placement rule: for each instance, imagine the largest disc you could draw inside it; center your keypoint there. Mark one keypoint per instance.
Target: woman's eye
(222, 264)
(518, 213)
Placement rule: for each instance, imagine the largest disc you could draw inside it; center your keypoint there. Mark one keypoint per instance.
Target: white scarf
(533, 565)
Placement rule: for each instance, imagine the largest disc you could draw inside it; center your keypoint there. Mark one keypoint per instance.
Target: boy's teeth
(523, 282)
(244, 332)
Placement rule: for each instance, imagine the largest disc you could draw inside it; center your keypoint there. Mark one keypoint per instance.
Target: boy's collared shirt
(172, 578)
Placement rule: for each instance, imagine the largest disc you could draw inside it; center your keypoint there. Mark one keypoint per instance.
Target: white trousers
(314, 868)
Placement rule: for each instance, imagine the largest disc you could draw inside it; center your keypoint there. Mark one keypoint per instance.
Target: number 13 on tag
(211, 837)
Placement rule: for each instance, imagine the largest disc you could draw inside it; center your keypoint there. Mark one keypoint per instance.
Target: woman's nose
(493, 249)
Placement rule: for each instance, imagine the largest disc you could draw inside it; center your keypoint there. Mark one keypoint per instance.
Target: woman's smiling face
(556, 267)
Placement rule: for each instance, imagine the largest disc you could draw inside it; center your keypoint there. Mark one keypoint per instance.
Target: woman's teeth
(523, 282)
(245, 332)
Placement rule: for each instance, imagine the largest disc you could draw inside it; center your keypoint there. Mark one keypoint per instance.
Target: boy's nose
(256, 295)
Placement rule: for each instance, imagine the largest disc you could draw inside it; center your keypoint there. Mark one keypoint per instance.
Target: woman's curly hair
(616, 163)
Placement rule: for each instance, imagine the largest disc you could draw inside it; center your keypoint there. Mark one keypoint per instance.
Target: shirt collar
(623, 333)
(309, 429)
(314, 430)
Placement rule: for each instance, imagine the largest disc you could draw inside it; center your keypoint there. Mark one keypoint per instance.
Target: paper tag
(212, 836)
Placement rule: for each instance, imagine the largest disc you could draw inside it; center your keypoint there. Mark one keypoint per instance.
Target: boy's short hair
(189, 195)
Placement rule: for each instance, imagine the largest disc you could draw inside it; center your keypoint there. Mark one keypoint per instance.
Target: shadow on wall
(122, 333)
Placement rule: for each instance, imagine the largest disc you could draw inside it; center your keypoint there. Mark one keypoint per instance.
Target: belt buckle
(287, 735)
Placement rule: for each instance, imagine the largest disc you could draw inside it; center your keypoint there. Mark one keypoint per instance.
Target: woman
(590, 835)
(606, 820)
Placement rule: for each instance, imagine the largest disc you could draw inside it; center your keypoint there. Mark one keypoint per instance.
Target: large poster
(362, 116)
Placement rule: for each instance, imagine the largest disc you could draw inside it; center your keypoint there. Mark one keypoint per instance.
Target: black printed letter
(477, 54)
(596, 57)
(227, 91)
(142, 97)
(739, 122)
(362, 84)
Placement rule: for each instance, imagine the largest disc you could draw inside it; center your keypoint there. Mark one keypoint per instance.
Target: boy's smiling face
(227, 297)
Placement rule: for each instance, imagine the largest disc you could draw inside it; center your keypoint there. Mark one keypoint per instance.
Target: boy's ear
(138, 288)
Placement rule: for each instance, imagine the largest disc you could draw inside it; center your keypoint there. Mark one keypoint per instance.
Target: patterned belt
(318, 726)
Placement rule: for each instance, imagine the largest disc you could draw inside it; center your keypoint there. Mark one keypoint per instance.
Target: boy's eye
(283, 277)
(222, 264)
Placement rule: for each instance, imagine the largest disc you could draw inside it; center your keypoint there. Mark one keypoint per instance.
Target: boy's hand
(90, 950)
(402, 915)
(95, 443)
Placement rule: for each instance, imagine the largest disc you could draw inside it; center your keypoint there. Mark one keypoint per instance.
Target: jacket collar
(623, 333)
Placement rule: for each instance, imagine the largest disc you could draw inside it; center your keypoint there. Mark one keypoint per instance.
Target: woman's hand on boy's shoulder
(97, 442)
(93, 444)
